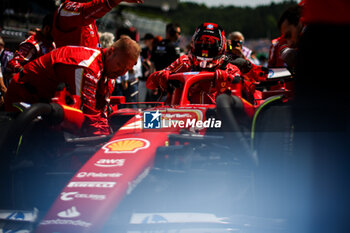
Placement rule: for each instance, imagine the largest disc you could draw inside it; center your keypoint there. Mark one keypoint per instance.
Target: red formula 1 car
(184, 165)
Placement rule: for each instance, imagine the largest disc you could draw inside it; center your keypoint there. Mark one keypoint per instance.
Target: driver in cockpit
(207, 53)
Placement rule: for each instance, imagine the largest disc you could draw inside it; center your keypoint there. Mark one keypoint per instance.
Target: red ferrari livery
(149, 174)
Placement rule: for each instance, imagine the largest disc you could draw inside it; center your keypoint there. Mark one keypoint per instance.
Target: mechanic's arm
(256, 73)
(75, 14)
(160, 78)
(232, 71)
(272, 55)
(26, 52)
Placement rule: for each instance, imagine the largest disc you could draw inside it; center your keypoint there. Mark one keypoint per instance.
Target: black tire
(20, 125)
(24, 167)
(273, 142)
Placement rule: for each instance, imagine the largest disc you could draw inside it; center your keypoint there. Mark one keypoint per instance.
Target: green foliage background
(258, 22)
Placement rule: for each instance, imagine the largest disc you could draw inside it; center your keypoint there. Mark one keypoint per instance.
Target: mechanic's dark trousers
(322, 128)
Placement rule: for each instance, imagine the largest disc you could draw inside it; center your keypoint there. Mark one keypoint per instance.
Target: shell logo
(126, 145)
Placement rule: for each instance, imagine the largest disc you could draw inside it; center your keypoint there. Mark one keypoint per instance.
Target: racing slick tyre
(272, 139)
(22, 123)
(23, 155)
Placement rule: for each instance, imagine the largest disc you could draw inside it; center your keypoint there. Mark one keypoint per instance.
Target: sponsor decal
(69, 213)
(132, 185)
(92, 78)
(69, 196)
(205, 53)
(98, 175)
(210, 26)
(175, 115)
(80, 223)
(91, 184)
(126, 145)
(110, 163)
(271, 73)
(191, 73)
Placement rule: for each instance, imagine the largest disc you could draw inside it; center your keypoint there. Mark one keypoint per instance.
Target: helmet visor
(208, 63)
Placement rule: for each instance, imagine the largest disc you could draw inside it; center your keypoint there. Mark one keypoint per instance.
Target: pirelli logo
(88, 184)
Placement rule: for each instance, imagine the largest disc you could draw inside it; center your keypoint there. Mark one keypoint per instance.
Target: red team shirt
(33, 47)
(275, 59)
(80, 67)
(74, 23)
(45, 73)
(327, 11)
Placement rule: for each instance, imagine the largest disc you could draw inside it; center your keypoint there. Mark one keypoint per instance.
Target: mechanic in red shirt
(33, 47)
(283, 51)
(74, 21)
(207, 53)
(275, 59)
(85, 72)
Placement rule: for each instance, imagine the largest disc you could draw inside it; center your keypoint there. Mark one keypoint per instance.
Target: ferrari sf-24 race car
(183, 165)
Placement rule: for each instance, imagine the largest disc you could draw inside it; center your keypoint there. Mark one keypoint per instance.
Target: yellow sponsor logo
(126, 145)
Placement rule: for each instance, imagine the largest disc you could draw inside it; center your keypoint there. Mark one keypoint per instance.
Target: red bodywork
(97, 189)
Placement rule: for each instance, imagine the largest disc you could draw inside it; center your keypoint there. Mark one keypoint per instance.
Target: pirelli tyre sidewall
(272, 140)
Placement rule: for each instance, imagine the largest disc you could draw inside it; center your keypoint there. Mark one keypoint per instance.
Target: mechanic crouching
(85, 73)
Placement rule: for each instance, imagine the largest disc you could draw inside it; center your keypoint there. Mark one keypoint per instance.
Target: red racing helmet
(208, 46)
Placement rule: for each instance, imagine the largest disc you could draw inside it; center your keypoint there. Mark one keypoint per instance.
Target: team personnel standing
(168, 50)
(3, 89)
(292, 28)
(147, 67)
(74, 21)
(86, 72)
(5, 57)
(34, 46)
(127, 85)
(283, 51)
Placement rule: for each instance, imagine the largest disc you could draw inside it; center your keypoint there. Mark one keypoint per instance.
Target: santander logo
(69, 213)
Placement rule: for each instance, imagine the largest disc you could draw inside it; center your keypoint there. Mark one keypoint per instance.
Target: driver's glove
(158, 79)
(223, 80)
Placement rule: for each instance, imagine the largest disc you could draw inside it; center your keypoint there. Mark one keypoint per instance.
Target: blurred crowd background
(258, 24)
